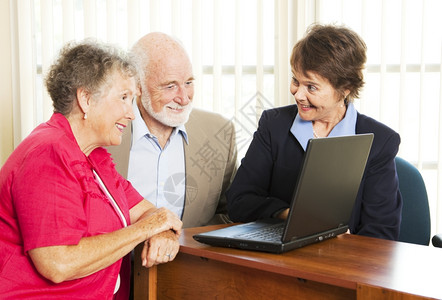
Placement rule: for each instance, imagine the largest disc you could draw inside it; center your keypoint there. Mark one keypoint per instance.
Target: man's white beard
(164, 116)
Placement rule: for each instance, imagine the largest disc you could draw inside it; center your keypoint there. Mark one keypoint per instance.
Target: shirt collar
(60, 121)
(140, 129)
(303, 130)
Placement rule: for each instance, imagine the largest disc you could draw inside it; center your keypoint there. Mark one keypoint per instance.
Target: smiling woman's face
(316, 98)
(111, 111)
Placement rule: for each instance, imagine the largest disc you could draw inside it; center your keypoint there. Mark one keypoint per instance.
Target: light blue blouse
(303, 130)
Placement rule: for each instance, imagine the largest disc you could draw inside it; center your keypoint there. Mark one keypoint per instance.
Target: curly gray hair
(87, 64)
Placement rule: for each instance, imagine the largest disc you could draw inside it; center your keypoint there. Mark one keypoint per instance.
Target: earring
(85, 116)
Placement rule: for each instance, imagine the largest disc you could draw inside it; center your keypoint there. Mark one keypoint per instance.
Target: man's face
(167, 91)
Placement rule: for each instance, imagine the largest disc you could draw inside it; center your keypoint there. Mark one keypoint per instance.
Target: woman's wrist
(281, 214)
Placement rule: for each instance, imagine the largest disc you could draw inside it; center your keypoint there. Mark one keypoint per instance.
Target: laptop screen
(328, 184)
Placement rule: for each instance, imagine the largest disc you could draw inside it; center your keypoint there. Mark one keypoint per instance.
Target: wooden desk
(346, 267)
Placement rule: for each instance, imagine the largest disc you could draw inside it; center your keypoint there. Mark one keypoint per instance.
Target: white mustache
(177, 106)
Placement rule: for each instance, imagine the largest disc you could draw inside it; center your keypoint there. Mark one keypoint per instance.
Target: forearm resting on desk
(94, 253)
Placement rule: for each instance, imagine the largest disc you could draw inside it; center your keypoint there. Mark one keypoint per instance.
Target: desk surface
(346, 261)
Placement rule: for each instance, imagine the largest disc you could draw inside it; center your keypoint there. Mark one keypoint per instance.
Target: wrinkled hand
(160, 220)
(161, 248)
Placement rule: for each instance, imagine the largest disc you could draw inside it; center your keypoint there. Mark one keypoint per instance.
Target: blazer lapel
(193, 177)
(198, 183)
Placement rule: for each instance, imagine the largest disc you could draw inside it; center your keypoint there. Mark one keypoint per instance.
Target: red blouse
(48, 197)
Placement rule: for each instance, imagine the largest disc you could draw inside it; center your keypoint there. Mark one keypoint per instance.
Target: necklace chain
(315, 134)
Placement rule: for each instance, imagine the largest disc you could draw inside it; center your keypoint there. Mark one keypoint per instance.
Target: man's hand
(161, 248)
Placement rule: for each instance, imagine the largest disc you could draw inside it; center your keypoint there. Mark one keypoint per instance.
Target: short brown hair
(88, 65)
(335, 53)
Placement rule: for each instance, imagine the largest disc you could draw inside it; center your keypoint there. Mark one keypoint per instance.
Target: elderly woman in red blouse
(68, 220)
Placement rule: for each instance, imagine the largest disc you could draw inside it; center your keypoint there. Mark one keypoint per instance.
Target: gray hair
(87, 64)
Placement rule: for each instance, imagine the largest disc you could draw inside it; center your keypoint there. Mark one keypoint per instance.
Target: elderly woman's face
(112, 110)
(315, 96)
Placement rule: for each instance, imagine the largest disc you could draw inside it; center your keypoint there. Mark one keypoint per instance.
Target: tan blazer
(210, 162)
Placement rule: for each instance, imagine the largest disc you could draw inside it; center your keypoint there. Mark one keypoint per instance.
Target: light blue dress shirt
(158, 174)
(303, 130)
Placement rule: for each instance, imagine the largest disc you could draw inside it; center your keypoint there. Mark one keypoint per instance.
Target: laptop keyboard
(271, 233)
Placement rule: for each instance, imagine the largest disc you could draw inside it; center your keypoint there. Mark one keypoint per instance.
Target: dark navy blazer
(263, 184)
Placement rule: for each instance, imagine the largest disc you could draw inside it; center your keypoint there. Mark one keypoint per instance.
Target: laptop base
(218, 240)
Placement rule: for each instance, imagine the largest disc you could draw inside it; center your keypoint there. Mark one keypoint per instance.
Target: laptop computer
(322, 202)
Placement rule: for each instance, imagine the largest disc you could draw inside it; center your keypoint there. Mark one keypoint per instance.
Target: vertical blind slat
(439, 160)
(259, 48)
(364, 28)
(383, 66)
(90, 16)
(403, 67)
(67, 7)
(238, 56)
(27, 68)
(154, 14)
(421, 86)
(216, 56)
(196, 50)
(176, 17)
(281, 49)
(111, 21)
(47, 51)
(259, 60)
(133, 22)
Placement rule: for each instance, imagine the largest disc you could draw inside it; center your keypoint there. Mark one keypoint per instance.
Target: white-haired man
(176, 157)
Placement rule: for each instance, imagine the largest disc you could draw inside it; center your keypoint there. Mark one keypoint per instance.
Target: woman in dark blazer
(327, 69)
